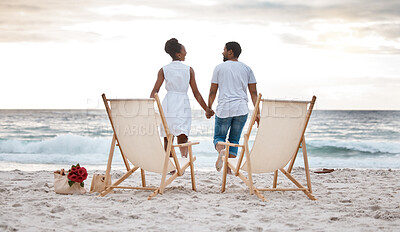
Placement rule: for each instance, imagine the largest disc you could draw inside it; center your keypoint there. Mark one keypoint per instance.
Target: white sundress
(176, 105)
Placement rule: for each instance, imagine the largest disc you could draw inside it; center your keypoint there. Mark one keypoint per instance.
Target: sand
(348, 200)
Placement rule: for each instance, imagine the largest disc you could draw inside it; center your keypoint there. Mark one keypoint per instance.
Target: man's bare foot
(229, 171)
(219, 162)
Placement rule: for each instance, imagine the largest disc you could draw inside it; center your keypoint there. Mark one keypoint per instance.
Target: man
(232, 78)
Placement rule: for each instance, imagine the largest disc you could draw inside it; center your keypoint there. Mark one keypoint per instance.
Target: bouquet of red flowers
(77, 174)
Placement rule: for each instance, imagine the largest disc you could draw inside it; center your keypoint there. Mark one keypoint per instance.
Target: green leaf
(70, 183)
(82, 184)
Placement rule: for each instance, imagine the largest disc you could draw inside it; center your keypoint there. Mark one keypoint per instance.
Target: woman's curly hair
(172, 47)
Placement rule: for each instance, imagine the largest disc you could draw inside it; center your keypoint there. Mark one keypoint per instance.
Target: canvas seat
(135, 126)
(279, 137)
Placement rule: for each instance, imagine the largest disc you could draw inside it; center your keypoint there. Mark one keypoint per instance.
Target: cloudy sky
(65, 54)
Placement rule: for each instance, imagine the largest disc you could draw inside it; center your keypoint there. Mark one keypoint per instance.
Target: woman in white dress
(176, 106)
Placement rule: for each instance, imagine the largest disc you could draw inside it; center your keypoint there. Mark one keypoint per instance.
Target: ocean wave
(71, 148)
(63, 144)
(366, 147)
(78, 144)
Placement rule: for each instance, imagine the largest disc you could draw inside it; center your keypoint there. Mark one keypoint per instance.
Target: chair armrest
(230, 144)
(186, 144)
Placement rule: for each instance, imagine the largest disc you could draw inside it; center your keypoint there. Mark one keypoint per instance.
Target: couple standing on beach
(231, 77)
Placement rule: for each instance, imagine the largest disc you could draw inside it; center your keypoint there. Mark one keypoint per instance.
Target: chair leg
(308, 193)
(109, 162)
(153, 194)
(163, 180)
(249, 171)
(192, 169)
(275, 178)
(225, 169)
(306, 166)
(119, 181)
(164, 173)
(143, 178)
(259, 195)
(192, 176)
(251, 186)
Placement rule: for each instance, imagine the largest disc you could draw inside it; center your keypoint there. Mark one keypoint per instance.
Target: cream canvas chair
(135, 127)
(279, 137)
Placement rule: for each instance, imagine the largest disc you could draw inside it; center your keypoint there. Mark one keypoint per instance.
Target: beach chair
(279, 137)
(135, 126)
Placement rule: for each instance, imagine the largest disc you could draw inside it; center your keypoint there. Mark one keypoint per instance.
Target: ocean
(48, 139)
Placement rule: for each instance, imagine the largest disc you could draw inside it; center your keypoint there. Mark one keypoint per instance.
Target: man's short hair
(235, 47)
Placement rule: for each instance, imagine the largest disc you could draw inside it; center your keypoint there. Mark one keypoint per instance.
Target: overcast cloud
(344, 51)
(48, 20)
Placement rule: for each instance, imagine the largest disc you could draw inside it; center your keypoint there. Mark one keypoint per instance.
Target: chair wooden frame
(130, 170)
(245, 151)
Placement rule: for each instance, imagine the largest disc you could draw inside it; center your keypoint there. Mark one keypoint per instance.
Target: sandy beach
(348, 200)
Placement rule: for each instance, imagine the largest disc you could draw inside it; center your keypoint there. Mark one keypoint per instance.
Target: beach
(60, 59)
(361, 194)
(348, 200)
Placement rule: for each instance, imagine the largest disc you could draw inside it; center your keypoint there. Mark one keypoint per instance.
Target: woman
(176, 105)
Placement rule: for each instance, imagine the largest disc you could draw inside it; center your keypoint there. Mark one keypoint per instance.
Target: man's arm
(211, 96)
(253, 94)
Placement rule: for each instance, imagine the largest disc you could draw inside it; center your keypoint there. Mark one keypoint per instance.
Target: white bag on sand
(99, 183)
(61, 185)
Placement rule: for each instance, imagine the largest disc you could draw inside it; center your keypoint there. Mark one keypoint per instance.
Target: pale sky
(65, 54)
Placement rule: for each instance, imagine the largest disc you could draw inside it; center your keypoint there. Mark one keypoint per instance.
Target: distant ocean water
(335, 139)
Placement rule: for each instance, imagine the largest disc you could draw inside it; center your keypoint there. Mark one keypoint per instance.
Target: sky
(65, 54)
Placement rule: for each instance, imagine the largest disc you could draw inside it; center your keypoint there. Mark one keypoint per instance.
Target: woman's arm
(196, 92)
(157, 85)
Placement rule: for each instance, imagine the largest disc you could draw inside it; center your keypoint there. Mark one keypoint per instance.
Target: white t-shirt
(232, 78)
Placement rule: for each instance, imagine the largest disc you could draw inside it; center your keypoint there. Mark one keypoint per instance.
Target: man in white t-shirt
(232, 78)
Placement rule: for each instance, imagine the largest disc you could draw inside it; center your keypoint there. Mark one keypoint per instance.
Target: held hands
(209, 113)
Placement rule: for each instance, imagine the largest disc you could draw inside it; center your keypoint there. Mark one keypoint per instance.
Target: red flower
(69, 175)
(77, 174)
(81, 171)
(73, 177)
(79, 179)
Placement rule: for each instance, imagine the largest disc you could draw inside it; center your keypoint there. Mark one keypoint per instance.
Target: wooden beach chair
(279, 137)
(135, 127)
